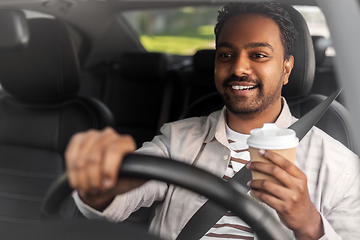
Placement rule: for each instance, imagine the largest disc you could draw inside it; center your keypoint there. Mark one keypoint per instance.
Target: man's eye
(225, 55)
(258, 55)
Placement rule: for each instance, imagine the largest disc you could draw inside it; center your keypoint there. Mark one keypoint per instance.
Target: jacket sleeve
(343, 221)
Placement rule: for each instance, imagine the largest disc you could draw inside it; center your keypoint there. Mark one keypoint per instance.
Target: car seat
(325, 81)
(136, 91)
(336, 121)
(38, 115)
(195, 79)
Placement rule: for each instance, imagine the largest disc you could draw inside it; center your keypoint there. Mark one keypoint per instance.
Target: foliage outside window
(176, 31)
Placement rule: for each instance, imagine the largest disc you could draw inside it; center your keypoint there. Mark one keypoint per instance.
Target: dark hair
(273, 11)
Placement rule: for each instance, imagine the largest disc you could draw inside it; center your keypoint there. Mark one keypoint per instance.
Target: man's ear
(288, 66)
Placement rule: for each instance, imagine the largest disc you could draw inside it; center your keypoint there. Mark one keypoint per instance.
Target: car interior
(61, 83)
(38, 117)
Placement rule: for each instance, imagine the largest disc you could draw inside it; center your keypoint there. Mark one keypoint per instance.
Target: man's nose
(241, 65)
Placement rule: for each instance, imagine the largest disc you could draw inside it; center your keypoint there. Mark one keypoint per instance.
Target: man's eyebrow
(247, 46)
(258, 44)
(225, 44)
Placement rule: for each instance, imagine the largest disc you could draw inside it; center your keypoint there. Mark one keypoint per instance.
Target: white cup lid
(271, 136)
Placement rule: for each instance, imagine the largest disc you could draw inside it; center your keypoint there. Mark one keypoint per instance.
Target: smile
(236, 87)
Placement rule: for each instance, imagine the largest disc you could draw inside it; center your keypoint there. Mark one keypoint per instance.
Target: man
(320, 194)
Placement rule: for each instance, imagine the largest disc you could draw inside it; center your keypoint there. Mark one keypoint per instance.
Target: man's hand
(93, 159)
(291, 201)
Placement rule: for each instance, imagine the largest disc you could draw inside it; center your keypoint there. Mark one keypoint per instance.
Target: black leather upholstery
(49, 59)
(321, 44)
(135, 93)
(144, 67)
(325, 81)
(38, 115)
(336, 121)
(13, 29)
(197, 80)
(302, 74)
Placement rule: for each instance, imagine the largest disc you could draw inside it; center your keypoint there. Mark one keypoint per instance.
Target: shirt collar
(218, 129)
(285, 118)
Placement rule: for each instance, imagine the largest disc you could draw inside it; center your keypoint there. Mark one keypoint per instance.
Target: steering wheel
(229, 195)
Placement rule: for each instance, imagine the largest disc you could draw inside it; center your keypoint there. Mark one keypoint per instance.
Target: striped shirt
(231, 226)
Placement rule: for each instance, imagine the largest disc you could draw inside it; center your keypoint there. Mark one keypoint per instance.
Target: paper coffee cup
(270, 137)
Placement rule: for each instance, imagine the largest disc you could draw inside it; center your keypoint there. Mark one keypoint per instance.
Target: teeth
(242, 87)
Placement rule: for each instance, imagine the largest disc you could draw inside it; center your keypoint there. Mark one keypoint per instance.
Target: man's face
(250, 69)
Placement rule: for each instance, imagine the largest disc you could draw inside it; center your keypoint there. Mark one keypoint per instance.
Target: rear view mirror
(14, 30)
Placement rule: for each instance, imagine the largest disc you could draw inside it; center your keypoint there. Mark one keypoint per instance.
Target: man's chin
(242, 106)
(243, 111)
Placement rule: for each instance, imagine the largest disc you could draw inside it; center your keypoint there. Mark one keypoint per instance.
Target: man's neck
(246, 122)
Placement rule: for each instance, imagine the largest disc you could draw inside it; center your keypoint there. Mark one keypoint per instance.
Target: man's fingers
(280, 168)
(94, 157)
(273, 170)
(270, 200)
(113, 158)
(71, 157)
(87, 162)
(91, 157)
(274, 195)
(266, 186)
(282, 162)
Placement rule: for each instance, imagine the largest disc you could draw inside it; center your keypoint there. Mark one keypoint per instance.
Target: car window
(185, 30)
(180, 31)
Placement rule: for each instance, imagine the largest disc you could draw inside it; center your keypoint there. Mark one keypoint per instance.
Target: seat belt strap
(210, 213)
(306, 122)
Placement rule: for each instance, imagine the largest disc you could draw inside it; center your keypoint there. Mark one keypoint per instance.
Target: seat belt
(210, 213)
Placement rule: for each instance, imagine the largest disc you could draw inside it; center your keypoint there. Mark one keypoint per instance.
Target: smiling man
(320, 195)
(250, 69)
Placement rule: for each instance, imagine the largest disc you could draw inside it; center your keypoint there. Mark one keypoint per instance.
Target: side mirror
(14, 30)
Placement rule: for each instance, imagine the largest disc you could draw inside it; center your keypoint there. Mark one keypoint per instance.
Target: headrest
(14, 30)
(47, 69)
(321, 44)
(203, 61)
(302, 74)
(144, 67)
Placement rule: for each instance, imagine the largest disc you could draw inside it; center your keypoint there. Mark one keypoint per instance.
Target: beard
(242, 106)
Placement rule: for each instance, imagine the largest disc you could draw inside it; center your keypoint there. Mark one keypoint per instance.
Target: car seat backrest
(38, 115)
(201, 81)
(13, 29)
(135, 93)
(325, 81)
(302, 74)
(47, 70)
(321, 44)
(336, 121)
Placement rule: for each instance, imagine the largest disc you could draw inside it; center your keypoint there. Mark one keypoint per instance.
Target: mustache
(234, 78)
